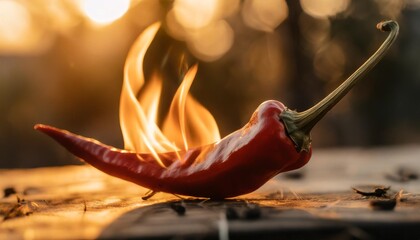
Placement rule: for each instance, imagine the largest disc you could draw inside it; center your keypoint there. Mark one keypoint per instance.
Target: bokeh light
(329, 62)
(195, 14)
(324, 8)
(202, 25)
(64, 14)
(174, 28)
(264, 15)
(104, 11)
(266, 63)
(15, 24)
(212, 42)
(315, 32)
(391, 8)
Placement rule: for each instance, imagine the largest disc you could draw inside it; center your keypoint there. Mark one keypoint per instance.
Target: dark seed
(295, 175)
(178, 208)
(380, 191)
(377, 192)
(9, 191)
(408, 173)
(403, 174)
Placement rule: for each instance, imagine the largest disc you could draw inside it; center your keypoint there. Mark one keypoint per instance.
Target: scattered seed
(377, 192)
(8, 191)
(403, 174)
(178, 208)
(295, 175)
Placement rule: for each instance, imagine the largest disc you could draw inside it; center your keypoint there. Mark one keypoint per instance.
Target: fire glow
(188, 123)
(179, 158)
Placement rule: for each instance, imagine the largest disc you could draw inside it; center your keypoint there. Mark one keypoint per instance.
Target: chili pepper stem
(299, 124)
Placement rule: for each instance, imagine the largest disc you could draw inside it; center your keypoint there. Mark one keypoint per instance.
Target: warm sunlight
(104, 12)
(195, 14)
(324, 8)
(15, 25)
(264, 15)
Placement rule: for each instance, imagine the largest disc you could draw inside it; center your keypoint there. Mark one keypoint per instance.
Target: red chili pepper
(275, 140)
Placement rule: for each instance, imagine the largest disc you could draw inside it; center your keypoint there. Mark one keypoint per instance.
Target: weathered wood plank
(75, 202)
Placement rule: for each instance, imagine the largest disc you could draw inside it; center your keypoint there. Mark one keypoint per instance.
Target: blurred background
(61, 63)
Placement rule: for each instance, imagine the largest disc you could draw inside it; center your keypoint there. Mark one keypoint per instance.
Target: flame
(188, 124)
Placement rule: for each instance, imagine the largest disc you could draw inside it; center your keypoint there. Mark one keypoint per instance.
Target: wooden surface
(79, 202)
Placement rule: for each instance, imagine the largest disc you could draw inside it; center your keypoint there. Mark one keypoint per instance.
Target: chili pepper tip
(51, 131)
(39, 126)
(45, 128)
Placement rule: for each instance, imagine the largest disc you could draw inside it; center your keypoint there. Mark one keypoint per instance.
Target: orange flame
(188, 123)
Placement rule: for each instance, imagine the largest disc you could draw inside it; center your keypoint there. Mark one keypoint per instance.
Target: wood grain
(79, 202)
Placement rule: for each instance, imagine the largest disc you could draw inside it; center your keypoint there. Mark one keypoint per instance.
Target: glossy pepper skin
(238, 164)
(275, 140)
